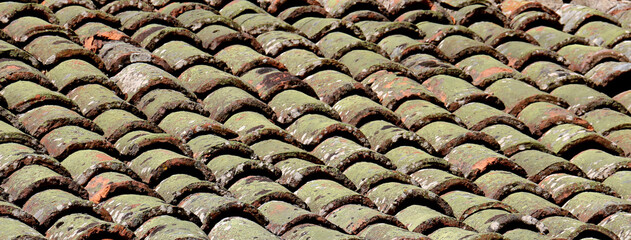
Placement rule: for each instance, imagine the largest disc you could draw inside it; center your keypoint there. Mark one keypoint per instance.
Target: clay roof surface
(315, 119)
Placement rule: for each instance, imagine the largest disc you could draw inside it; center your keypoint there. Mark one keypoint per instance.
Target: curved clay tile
(534, 205)
(331, 86)
(277, 42)
(31, 179)
(393, 95)
(465, 204)
(154, 35)
(138, 79)
(160, 102)
(583, 58)
(253, 127)
(541, 116)
(396, 232)
(71, 17)
(136, 142)
(206, 147)
(107, 185)
(65, 140)
(303, 63)
(474, 161)
(456, 92)
(298, 172)
(224, 102)
(119, 6)
(512, 140)
(44, 119)
(11, 10)
(574, 16)
(554, 39)
(197, 19)
(258, 190)
(283, 217)
(167, 226)
(13, 70)
(50, 205)
(539, 165)
(73, 73)
(273, 151)
(140, 208)
(85, 164)
(316, 28)
(181, 56)
(444, 136)
(116, 123)
(351, 112)
(558, 226)
(477, 116)
(548, 75)
(582, 99)
(325, 201)
(531, 19)
(342, 153)
(346, 216)
(442, 181)
(178, 186)
(52, 50)
(568, 140)
(230, 168)
(292, 15)
(312, 129)
(25, 29)
(367, 175)
(212, 208)
(188, 125)
(290, 105)
(336, 44)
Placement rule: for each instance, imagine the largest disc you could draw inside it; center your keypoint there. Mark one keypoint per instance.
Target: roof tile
(132, 210)
(257, 190)
(345, 217)
(455, 92)
(593, 206)
(303, 63)
(323, 201)
(116, 123)
(83, 165)
(284, 216)
(244, 229)
(212, 209)
(17, 229)
(383, 231)
(549, 75)
(41, 120)
(178, 186)
(475, 160)
(208, 146)
(563, 187)
(599, 165)
(111, 184)
(534, 205)
(50, 205)
(559, 226)
(341, 153)
(297, 172)
(512, 141)
(422, 219)
(442, 181)
(539, 165)
(167, 226)
(444, 136)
